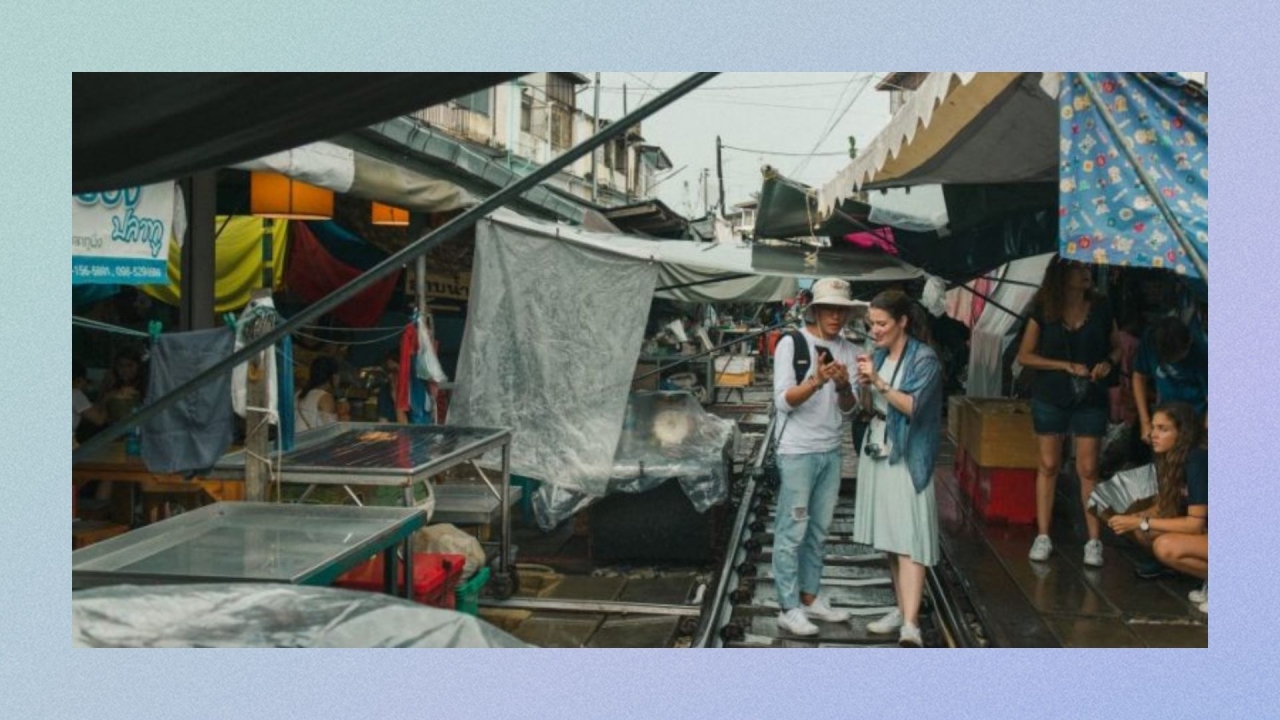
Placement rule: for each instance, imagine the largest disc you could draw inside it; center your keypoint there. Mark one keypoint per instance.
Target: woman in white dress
(895, 510)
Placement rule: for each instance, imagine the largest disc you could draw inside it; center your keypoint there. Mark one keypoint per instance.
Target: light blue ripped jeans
(807, 495)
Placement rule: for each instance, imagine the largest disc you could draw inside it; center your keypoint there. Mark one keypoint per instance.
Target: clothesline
(106, 327)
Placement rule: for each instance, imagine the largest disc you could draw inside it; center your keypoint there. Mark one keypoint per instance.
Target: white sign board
(122, 236)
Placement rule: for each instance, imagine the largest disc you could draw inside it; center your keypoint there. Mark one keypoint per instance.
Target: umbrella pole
(1147, 182)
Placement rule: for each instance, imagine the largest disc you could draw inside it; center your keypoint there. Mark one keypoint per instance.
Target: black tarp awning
(139, 128)
(789, 209)
(961, 256)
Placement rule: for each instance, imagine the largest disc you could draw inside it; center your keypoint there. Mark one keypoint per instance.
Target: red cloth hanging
(408, 355)
(313, 273)
(880, 239)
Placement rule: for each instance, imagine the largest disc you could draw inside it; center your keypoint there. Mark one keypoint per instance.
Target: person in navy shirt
(1177, 527)
(1175, 365)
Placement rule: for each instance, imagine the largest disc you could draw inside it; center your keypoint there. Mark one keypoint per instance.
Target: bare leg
(1185, 553)
(1087, 469)
(910, 588)
(893, 577)
(1047, 478)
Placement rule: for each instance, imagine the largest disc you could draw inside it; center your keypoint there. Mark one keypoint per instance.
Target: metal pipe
(1147, 182)
(592, 606)
(595, 118)
(695, 283)
(392, 264)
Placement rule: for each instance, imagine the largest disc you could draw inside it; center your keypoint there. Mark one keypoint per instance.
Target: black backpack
(801, 362)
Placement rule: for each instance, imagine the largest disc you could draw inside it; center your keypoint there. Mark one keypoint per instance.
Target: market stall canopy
(139, 128)
(1113, 212)
(754, 273)
(343, 170)
(970, 128)
(979, 249)
(650, 217)
(789, 209)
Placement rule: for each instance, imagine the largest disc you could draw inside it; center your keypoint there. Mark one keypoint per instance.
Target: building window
(562, 99)
(560, 90)
(526, 112)
(561, 127)
(478, 102)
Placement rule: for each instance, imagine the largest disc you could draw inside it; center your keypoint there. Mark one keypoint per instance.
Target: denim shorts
(1049, 419)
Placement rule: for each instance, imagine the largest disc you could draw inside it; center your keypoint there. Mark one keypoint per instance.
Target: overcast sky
(791, 113)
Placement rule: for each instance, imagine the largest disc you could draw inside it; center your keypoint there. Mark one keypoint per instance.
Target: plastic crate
(1007, 495)
(468, 593)
(435, 577)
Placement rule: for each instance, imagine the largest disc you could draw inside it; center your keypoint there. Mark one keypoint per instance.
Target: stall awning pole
(393, 263)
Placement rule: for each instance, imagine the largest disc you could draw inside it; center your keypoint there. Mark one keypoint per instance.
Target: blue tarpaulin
(1105, 214)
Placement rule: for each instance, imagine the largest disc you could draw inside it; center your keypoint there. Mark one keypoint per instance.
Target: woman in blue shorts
(1072, 344)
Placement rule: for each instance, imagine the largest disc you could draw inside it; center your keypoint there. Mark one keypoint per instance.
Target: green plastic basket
(467, 595)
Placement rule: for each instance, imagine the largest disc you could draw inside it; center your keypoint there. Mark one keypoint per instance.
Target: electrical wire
(779, 152)
(805, 163)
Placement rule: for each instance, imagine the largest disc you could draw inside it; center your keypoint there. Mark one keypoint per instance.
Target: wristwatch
(1145, 525)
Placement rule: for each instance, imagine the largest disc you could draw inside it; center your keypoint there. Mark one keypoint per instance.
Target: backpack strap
(800, 360)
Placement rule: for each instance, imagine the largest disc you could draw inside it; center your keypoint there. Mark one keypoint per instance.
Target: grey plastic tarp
(268, 615)
(665, 435)
(550, 348)
(1127, 488)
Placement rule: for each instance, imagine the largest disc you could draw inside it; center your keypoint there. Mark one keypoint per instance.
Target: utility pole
(595, 153)
(720, 173)
(706, 196)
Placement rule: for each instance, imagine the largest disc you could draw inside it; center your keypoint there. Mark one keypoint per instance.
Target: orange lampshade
(389, 215)
(273, 195)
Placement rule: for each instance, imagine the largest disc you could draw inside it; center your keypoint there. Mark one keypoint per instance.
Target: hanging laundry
(194, 432)
(239, 376)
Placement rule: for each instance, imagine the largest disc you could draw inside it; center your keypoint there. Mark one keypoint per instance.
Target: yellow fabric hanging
(238, 259)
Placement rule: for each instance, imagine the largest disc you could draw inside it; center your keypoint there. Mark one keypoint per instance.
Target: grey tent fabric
(549, 350)
(268, 615)
(194, 432)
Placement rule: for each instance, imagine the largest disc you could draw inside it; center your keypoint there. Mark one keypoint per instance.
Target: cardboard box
(998, 433)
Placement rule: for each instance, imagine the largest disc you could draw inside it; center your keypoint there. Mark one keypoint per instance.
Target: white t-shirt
(817, 424)
(79, 403)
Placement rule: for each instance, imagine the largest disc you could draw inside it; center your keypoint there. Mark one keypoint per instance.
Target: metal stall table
(703, 366)
(253, 542)
(391, 455)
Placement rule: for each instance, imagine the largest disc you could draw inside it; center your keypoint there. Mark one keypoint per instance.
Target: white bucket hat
(832, 291)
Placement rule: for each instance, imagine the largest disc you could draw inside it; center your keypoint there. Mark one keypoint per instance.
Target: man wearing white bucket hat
(811, 408)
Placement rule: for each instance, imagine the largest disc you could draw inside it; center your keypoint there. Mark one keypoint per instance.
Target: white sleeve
(784, 373)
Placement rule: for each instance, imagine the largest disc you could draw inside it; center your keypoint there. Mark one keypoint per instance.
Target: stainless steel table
(392, 455)
(254, 542)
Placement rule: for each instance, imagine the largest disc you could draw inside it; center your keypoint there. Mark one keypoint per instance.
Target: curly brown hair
(1171, 473)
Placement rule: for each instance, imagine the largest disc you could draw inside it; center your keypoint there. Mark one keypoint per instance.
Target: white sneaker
(794, 622)
(886, 624)
(1204, 607)
(1093, 553)
(909, 637)
(1201, 595)
(1041, 548)
(820, 609)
